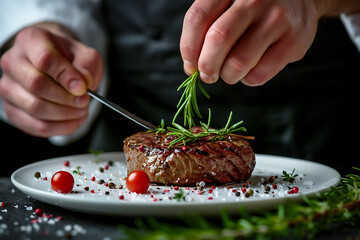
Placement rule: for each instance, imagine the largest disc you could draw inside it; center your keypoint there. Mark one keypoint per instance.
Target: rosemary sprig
(185, 136)
(298, 220)
(188, 105)
(188, 101)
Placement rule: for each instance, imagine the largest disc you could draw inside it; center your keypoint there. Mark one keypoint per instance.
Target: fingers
(90, 64)
(238, 40)
(45, 78)
(14, 94)
(41, 128)
(197, 21)
(250, 48)
(38, 84)
(52, 56)
(220, 39)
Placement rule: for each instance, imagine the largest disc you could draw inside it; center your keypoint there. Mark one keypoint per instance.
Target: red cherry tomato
(138, 181)
(62, 182)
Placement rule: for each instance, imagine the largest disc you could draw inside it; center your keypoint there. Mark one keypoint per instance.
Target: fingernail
(189, 68)
(77, 87)
(208, 79)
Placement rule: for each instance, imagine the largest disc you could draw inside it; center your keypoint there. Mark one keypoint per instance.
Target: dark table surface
(18, 221)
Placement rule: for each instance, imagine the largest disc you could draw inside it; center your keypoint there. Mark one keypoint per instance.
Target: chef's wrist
(57, 29)
(333, 8)
(52, 27)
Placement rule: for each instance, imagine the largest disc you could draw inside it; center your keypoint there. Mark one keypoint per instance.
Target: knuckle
(206, 67)
(44, 59)
(196, 15)
(4, 90)
(238, 64)
(188, 48)
(256, 78)
(253, 4)
(34, 107)
(219, 35)
(43, 129)
(5, 62)
(35, 83)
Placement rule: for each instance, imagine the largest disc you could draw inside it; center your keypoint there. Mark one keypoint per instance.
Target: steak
(217, 162)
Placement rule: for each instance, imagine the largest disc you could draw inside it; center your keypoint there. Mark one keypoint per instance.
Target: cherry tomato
(138, 181)
(62, 182)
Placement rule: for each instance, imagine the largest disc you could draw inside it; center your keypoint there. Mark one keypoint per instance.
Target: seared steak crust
(217, 162)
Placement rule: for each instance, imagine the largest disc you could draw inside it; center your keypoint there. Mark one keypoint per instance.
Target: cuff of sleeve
(352, 26)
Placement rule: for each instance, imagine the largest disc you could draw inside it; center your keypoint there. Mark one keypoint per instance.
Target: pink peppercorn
(45, 179)
(183, 148)
(106, 167)
(2, 204)
(66, 163)
(141, 148)
(274, 186)
(93, 179)
(38, 212)
(210, 198)
(243, 190)
(211, 190)
(176, 188)
(92, 191)
(295, 189)
(121, 197)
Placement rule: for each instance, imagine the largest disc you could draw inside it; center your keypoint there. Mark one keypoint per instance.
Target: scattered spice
(37, 174)
(38, 212)
(66, 163)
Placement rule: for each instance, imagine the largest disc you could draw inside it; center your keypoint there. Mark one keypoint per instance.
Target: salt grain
(51, 221)
(29, 208)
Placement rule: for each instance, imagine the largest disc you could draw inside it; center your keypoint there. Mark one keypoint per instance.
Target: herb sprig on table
(296, 219)
(189, 107)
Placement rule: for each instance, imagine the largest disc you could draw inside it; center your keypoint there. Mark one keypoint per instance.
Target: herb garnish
(188, 100)
(77, 171)
(289, 177)
(96, 153)
(188, 105)
(296, 219)
(185, 135)
(180, 196)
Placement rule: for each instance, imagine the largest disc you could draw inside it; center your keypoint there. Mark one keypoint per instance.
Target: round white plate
(160, 200)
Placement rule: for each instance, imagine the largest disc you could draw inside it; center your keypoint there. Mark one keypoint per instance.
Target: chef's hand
(250, 40)
(46, 73)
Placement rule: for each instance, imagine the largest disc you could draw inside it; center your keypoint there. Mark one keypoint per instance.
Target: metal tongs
(122, 111)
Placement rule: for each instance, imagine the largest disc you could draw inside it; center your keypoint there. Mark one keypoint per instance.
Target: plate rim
(256, 202)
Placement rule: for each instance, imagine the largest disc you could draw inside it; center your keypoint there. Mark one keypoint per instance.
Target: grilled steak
(216, 162)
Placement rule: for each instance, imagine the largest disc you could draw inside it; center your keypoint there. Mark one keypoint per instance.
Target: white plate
(159, 201)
